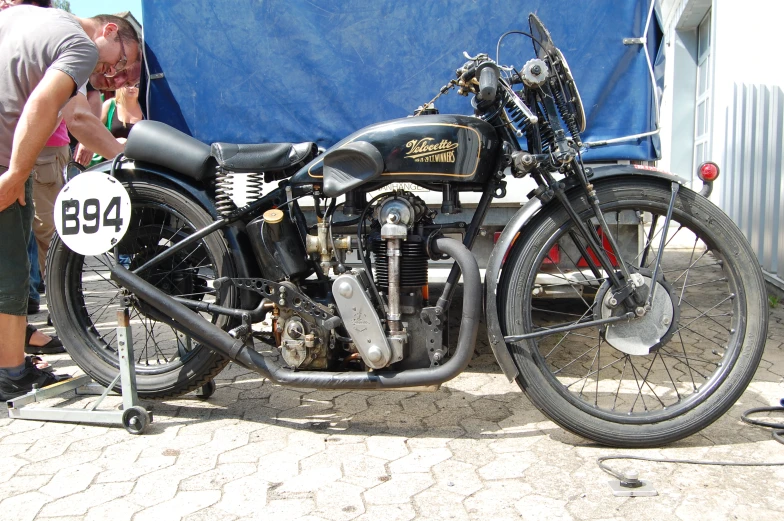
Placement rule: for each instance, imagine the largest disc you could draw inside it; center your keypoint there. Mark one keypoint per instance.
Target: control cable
(631, 481)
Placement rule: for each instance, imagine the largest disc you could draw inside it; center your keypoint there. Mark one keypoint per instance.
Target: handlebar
(488, 74)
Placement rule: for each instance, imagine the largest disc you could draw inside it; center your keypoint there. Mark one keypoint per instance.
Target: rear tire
(83, 299)
(708, 356)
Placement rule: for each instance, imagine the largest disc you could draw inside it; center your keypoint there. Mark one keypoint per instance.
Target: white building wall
(746, 133)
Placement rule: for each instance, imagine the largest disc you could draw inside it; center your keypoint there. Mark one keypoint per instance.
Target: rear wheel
(651, 380)
(84, 300)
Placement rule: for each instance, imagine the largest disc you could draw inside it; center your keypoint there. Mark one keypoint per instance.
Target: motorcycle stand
(134, 417)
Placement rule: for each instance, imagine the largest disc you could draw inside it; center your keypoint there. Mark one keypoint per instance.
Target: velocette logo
(426, 150)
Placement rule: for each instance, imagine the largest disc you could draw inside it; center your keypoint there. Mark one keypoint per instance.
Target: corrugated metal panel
(753, 185)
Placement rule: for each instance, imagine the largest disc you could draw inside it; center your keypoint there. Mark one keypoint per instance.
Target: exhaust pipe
(214, 337)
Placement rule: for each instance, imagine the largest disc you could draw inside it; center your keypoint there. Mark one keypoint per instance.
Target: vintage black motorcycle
(629, 308)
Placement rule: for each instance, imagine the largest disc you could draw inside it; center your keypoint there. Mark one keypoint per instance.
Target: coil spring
(516, 116)
(223, 189)
(253, 186)
(563, 108)
(546, 134)
(225, 185)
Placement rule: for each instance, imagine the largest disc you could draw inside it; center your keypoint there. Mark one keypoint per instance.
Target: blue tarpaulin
(251, 71)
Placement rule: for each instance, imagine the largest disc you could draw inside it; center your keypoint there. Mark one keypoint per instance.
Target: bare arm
(88, 129)
(94, 99)
(82, 154)
(36, 123)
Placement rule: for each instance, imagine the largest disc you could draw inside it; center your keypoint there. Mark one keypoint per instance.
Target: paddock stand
(134, 417)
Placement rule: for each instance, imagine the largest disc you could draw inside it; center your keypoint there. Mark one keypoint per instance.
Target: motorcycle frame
(235, 238)
(550, 190)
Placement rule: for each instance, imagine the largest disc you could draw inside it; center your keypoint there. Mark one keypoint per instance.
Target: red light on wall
(708, 171)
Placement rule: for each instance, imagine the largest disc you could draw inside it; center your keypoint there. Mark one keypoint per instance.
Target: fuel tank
(426, 149)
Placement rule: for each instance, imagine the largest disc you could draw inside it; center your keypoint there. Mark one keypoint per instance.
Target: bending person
(45, 56)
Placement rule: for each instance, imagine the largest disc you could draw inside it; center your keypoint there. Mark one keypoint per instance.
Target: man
(46, 55)
(48, 180)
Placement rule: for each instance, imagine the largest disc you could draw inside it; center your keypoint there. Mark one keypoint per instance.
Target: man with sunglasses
(46, 56)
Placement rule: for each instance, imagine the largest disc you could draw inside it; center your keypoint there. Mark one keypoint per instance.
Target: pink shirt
(59, 137)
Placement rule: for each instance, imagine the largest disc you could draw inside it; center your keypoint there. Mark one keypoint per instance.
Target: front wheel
(651, 380)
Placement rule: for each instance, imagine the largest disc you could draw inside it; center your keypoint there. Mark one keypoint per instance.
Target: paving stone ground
(475, 449)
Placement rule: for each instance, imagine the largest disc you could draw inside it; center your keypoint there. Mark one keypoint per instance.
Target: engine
(379, 301)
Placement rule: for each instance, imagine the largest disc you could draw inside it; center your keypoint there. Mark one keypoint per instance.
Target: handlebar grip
(488, 82)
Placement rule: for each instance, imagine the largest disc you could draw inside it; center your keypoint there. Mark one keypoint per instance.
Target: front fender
(523, 216)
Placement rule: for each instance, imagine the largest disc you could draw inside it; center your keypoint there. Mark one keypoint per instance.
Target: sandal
(40, 363)
(52, 347)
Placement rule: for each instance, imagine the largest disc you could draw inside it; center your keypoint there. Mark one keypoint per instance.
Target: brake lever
(473, 58)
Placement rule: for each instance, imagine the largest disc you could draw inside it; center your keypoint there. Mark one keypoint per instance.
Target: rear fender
(597, 175)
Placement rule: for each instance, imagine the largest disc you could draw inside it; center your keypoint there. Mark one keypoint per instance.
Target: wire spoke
(691, 358)
(102, 309)
(620, 381)
(686, 359)
(595, 357)
(729, 297)
(567, 334)
(707, 315)
(723, 279)
(639, 388)
(703, 336)
(667, 369)
(605, 366)
(576, 359)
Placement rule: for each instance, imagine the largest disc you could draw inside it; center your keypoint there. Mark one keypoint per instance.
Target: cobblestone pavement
(475, 449)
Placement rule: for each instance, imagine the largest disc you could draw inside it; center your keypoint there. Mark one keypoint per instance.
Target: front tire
(84, 300)
(598, 390)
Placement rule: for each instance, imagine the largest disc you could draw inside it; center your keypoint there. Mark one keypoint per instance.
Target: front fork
(622, 289)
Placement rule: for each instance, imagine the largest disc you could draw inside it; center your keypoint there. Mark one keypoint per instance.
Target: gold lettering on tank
(426, 150)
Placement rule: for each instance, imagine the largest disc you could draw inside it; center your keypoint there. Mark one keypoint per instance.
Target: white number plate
(92, 213)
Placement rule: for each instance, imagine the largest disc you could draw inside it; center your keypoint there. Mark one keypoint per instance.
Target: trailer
(290, 71)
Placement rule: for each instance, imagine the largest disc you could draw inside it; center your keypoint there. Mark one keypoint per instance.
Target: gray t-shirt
(32, 40)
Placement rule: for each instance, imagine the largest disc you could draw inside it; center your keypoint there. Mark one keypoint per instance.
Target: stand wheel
(206, 390)
(136, 419)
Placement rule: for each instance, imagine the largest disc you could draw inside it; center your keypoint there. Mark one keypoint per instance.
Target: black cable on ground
(777, 435)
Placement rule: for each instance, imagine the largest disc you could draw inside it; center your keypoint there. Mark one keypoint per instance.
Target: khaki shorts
(16, 224)
(47, 182)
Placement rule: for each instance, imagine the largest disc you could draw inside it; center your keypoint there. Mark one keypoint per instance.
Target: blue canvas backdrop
(252, 71)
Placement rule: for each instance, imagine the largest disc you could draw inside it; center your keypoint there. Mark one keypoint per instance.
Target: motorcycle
(629, 308)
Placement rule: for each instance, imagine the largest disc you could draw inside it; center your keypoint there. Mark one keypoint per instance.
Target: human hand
(121, 140)
(11, 190)
(82, 155)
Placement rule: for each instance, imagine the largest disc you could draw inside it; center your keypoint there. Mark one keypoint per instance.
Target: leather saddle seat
(262, 157)
(157, 143)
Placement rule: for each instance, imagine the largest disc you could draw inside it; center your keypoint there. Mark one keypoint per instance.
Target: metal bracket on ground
(645, 489)
(133, 416)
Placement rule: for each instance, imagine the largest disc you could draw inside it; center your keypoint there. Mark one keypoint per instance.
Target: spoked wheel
(84, 300)
(650, 380)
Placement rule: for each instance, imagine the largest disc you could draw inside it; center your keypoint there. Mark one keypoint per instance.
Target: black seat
(262, 157)
(158, 143)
